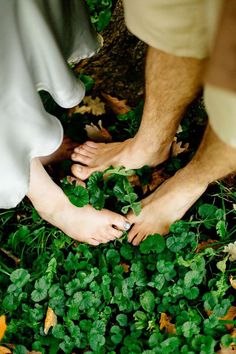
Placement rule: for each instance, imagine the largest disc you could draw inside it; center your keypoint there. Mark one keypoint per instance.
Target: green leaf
(190, 329)
(85, 325)
(174, 243)
(20, 349)
(192, 277)
(126, 251)
(221, 229)
(221, 265)
(147, 301)
(80, 196)
(208, 213)
(191, 293)
(152, 244)
(121, 171)
(41, 289)
(20, 277)
(10, 302)
(51, 269)
(170, 345)
(96, 194)
(96, 341)
(113, 257)
(103, 19)
(58, 331)
(88, 81)
(122, 319)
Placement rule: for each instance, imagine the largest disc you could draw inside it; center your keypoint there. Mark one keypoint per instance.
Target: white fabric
(221, 108)
(36, 38)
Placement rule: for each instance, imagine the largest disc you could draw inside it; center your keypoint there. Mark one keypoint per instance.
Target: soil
(118, 68)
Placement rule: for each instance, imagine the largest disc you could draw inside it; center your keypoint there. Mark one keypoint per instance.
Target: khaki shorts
(186, 28)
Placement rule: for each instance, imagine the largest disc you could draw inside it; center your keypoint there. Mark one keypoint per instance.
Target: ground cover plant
(170, 294)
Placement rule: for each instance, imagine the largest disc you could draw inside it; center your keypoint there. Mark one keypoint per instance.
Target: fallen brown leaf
(230, 315)
(4, 350)
(134, 180)
(125, 266)
(10, 255)
(95, 104)
(158, 177)
(165, 323)
(177, 147)
(50, 320)
(206, 244)
(232, 281)
(91, 105)
(98, 133)
(116, 105)
(3, 326)
(82, 109)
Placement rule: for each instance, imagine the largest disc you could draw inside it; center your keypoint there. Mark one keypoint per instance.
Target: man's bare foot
(166, 205)
(62, 153)
(99, 156)
(83, 224)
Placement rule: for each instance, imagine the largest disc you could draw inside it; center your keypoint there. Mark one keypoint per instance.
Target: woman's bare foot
(99, 156)
(166, 205)
(86, 224)
(62, 153)
(83, 224)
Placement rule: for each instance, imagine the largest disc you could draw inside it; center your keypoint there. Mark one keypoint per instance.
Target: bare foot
(62, 153)
(166, 205)
(87, 224)
(83, 224)
(99, 156)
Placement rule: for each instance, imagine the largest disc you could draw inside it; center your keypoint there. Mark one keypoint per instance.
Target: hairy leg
(213, 160)
(83, 224)
(171, 83)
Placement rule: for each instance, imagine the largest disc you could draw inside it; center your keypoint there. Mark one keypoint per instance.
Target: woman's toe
(82, 172)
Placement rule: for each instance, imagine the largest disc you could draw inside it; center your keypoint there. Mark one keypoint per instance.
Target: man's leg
(213, 160)
(171, 84)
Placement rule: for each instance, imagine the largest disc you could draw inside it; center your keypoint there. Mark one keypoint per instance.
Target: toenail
(126, 225)
(79, 168)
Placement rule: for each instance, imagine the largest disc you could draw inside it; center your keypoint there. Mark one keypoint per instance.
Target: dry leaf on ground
(3, 326)
(98, 133)
(10, 255)
(134, 181)
(232, 282)
(116, 105)
(230, 315)
(125, 266)
(50, 320)
(165, 323)
(91, 105)
(96, 105)
(177, 147)
(158, 177)
(4, 350)
(206, 244)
